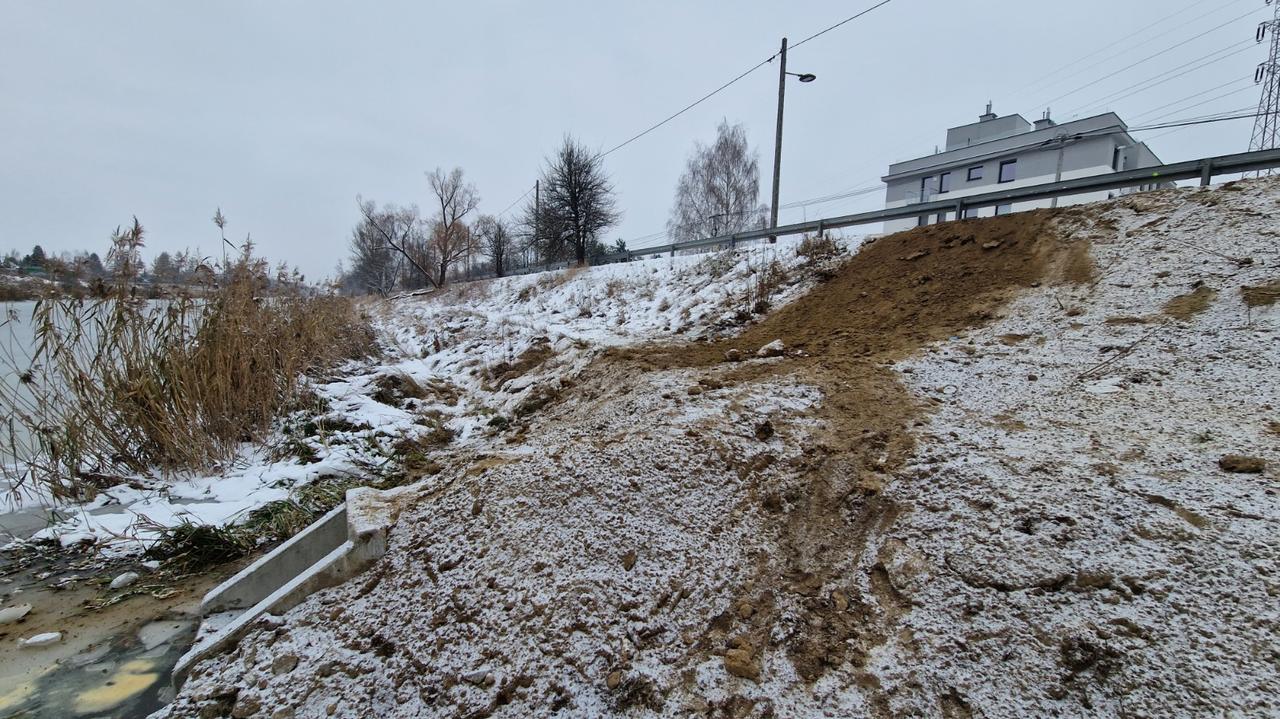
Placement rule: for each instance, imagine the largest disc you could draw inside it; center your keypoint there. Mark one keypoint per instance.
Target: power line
(1154, 110)
(1188, 123)
(517, 201)
(725, 86)
(1120, 40)
(688, 107)
(1041, 82)
(849, 19)
(1212, 99)
(1148, 58)
(1143, 86)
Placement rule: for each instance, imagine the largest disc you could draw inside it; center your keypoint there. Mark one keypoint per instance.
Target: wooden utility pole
(777, 143)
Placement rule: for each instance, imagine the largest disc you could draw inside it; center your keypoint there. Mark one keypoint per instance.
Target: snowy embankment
(1023, 466)
(458, 369)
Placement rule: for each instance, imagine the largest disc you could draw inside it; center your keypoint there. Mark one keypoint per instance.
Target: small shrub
(817, 247)
(717, 265)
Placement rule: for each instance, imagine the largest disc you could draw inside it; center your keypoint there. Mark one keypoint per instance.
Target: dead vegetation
(1186, 306)
(537, 353)
(117, 385)
(1261, 295)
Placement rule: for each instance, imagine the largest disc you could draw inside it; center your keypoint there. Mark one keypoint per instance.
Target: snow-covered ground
(1079, 549)
(473, 360)
(737, 538)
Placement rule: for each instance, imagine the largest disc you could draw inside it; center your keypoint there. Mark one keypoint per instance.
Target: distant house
(998, 152)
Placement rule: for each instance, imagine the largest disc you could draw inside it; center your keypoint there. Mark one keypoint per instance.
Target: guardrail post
(733, 241)
(822, 231)
(1206, 172)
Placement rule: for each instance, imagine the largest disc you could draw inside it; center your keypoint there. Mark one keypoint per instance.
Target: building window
(944, 183)
(969, 213)
(928, 188)
(942, 217)
(1008, 171)
(922, 220)
(1004, 209)
(975, 173)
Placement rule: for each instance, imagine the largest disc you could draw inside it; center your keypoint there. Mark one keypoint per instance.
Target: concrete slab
(333, 549)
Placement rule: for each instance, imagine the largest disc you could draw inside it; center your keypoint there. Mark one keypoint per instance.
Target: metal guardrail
(1205, 169)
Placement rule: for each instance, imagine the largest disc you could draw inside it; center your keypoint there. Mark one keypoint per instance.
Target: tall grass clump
(116, 384)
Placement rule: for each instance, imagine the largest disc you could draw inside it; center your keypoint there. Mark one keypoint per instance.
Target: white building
(995, 153)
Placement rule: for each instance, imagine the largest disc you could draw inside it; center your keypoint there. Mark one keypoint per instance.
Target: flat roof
(1096, 124)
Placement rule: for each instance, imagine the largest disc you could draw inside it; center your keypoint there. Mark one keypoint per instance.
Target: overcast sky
(281, 112)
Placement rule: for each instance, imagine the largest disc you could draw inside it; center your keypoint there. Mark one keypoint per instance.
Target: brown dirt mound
(890, 299)
(905, 290)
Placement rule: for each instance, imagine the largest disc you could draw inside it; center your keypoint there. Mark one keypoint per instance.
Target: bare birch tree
(719, 192)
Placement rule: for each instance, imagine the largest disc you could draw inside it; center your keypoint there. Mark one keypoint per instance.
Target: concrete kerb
(333, 549)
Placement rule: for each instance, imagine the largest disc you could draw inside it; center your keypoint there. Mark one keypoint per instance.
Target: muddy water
(113, 660)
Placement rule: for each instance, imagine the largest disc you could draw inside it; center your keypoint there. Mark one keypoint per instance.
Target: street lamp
(777, 147)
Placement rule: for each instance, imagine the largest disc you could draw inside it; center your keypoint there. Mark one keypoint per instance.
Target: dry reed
(117, 385)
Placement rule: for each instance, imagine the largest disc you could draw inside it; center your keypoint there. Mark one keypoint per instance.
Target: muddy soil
(117, 646)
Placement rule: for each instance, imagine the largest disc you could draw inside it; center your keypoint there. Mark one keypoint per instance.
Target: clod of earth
(764, 430)
(1242, 464)
(742, 662)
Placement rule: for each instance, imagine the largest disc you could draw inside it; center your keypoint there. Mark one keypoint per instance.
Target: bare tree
(375, 266)
(451, 238)
(496, 240)
(400, 229)
(718, 194)
(577, 203)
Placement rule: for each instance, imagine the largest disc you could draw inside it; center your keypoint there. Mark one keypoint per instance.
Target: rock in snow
(773, 349)
(1241, 464)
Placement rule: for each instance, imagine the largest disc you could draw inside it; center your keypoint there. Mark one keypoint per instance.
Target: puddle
(112, 661)
(122, 678)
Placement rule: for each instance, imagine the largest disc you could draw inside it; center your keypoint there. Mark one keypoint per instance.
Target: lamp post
(777, 147)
